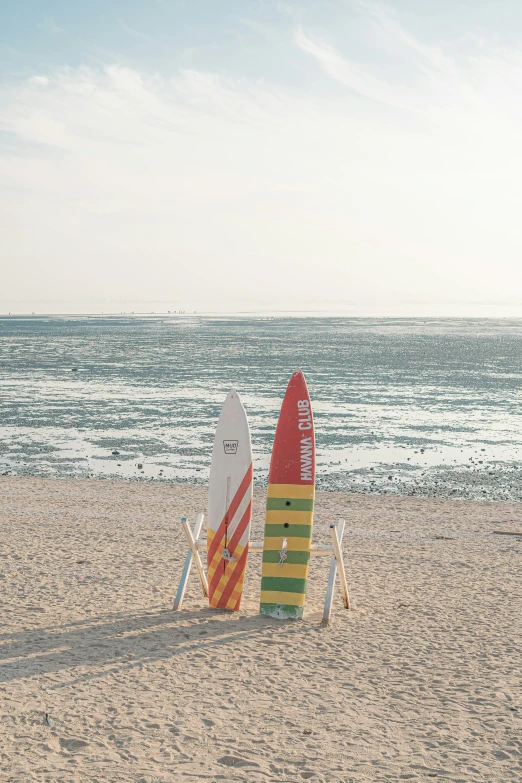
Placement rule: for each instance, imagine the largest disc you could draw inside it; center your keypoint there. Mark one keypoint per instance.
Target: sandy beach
(420, 681)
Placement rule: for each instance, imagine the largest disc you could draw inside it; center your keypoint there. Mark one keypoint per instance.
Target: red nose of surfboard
(294, 435)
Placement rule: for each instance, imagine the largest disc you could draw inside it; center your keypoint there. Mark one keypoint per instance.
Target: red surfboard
(289, 506)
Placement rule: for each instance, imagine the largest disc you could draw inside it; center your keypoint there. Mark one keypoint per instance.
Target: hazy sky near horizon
(230, 154)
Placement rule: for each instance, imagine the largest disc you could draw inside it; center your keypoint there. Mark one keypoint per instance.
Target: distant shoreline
(427, 492)
(494, 313)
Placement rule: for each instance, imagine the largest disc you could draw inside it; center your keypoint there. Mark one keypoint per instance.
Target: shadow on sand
(122, 642)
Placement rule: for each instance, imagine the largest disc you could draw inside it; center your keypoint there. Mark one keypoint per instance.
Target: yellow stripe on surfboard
(295, 517)
(291, 491)
(294, 570)
(288, 599)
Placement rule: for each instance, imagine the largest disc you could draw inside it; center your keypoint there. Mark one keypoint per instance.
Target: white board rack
(334, 551)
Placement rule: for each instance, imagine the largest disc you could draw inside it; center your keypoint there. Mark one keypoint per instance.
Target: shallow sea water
(402, 406)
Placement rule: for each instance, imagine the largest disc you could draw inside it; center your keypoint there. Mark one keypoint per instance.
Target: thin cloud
(349, 73)
(137, 34)
(436, 83)
(285, 8)
(199, 182)
(384, 20)
(49, 25)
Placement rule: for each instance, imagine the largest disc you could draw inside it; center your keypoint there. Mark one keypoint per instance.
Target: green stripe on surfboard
(283, 584)
(294, 531)
(294, 558)
(289, 504)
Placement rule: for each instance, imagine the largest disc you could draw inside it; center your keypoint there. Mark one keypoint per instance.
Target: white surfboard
(229, 506)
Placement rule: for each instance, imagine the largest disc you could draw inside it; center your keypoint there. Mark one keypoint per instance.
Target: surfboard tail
(282, 611)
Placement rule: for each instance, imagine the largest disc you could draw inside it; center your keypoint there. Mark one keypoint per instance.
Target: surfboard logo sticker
(230, 446)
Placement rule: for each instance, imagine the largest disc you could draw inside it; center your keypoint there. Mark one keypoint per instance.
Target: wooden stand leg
(336, 541)
(192, 554)
(337, 532)
(334, 552)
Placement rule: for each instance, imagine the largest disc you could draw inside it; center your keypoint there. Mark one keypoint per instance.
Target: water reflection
(401, 406)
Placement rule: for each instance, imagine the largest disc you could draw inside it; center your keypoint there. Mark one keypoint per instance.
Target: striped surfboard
(289, 506)
(229, 506)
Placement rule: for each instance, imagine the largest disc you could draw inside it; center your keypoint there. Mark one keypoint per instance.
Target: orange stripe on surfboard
(238, 575)
(214, 572)
(229, 513)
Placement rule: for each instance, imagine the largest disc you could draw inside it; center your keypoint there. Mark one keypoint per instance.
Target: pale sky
(333, 155)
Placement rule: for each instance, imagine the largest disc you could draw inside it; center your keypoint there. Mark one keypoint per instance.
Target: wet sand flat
(420, 681)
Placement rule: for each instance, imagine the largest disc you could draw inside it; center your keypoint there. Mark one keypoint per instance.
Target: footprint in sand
(236, 761)
(73, 745)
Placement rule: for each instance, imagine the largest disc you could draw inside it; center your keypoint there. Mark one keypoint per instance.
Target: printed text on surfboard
(305, 423)
(304, 414)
